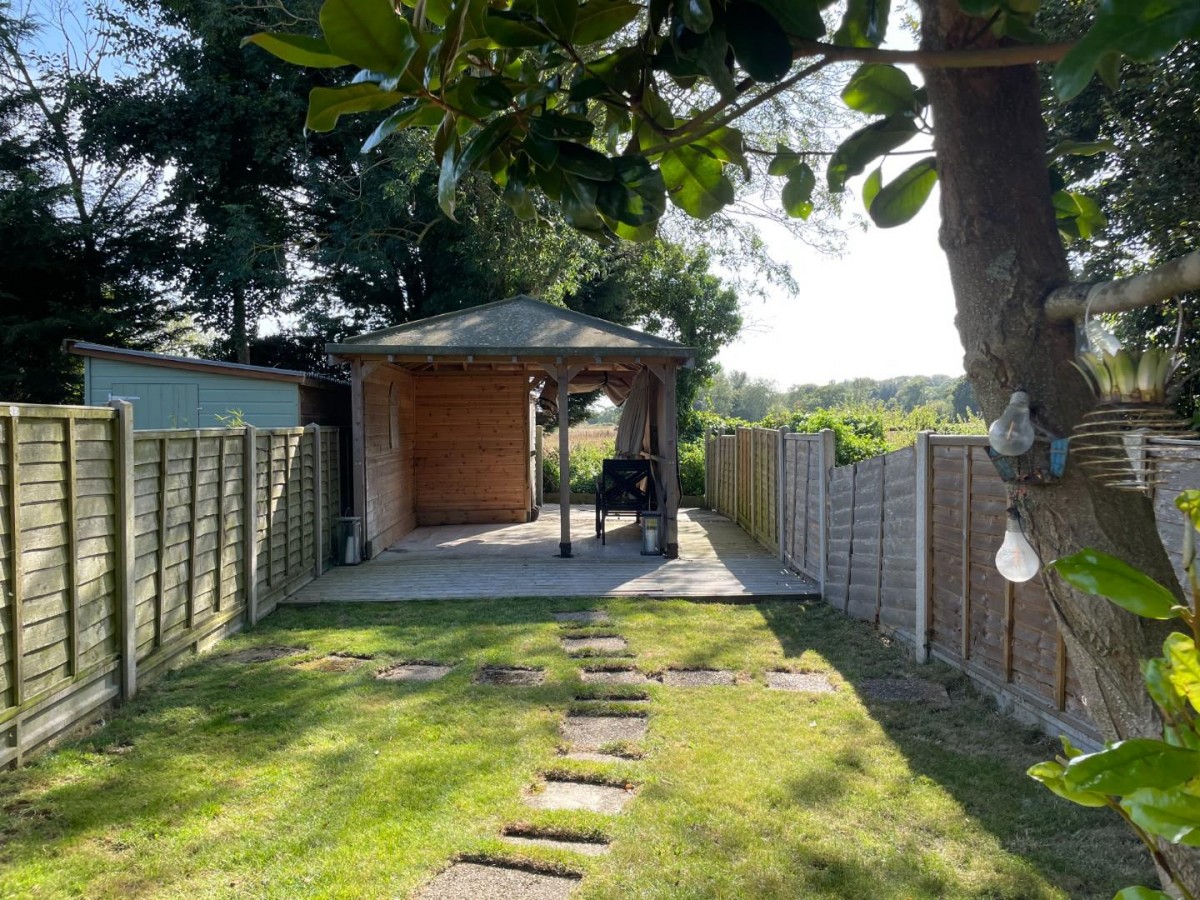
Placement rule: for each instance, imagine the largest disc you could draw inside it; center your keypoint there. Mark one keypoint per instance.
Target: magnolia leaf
(1106, 576)
(901, 199)
(578, 203)
(727, 145)
(799, 18)
(448, 171)
(514, 30)
(327, 105)
(871, 187)
(636, 198)
(298, 49)
(1141, 893)
(368, 33)
(417, 114)
(559, 16)
(585, 162)
(878, 89)
(482, 145)
(1174, 815)
(697, 15)
(1050, 774)
(865, 23)
(784, 160)
(695, 181)
(710, 55)
(866, 145)
(1080, 148)
(1188, 503)
(1132, 765)
(552, 126)
(598, 20)
(1180, 651)
(797, 191)
(759, 43)
(1161, 687)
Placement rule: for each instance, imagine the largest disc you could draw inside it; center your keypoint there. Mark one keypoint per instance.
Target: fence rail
(120, 551)
(908, 540)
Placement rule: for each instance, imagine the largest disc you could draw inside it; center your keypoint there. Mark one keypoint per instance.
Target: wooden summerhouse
(443, 413)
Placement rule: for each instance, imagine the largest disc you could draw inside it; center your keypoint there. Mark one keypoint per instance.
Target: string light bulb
(1016, 559)
(1012, 433)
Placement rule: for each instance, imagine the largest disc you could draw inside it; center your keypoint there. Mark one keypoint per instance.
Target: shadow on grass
(973, 751)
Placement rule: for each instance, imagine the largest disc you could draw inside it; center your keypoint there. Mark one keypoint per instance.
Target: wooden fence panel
(66, 515)
(898, 563)
(841, 527)
(947, 541)
(866, 540)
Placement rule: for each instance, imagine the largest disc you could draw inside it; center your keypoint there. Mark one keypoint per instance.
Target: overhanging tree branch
(991, 57)
(1163, 282)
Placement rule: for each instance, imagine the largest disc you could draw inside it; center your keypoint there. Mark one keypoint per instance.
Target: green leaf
(797, 191)
(416, 114)
(727, 145)
(481, 146)
(1174, 815)
(636, 197)
(759, 43)
(369, 34)
(800, 18)
(695, 181)
(599, 20)
(1141, 893)
(784, 160)
(1134, 28)
(585, 162)
(578, 203)
(1050, 774)
(1159, 684)
(1180, 651)
(697, 15)
(1132, 765)
(552, 126)
(559, 16)
(542, 152)
(710, 55)
(980, 8)
(871, 187)
(866, 145)
(514, 30)
(1080, 148)
(298, 49)
(865, 23)
(492, 92)
(878, 89)
(327, 105)
(1188, 503)
(1102, 575)
(901, 199)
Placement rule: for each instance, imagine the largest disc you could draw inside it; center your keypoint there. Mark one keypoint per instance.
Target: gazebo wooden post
(562, 375)
(669, 441)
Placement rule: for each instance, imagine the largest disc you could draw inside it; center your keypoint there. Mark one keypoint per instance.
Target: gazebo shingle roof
(518, 326)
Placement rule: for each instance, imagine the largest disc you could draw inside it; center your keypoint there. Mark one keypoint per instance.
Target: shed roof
(215, 367)
(518, 326)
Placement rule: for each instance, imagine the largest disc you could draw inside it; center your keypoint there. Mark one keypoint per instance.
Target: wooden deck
(717, 560)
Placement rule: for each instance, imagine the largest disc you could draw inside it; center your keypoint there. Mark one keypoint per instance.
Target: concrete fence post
(250, 521)
(826, 457)
(923, 498)
(126, 552)
(781, 497)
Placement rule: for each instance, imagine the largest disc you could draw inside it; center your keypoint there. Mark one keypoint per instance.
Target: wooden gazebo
(443, 413)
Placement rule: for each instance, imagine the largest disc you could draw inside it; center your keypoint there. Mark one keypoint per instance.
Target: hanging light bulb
(1016, 559)
(1012, 433)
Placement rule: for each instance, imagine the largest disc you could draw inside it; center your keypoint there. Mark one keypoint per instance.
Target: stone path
(473, 881)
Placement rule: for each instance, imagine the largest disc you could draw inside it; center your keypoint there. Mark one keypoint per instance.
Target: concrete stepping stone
(697, 677)
(596, 756)
(594, 732)
(587, 616)
(510, 675)
(261, 654)
(594, 644)
(611, 698)
(613, 676)
(808, 682)
(476, 881)
(600, 798)
(556, 842)
(414, 671)
(905, 690)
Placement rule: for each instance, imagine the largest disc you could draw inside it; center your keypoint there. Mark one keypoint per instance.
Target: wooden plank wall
(472, 448)
(390, 428)
(62, 628)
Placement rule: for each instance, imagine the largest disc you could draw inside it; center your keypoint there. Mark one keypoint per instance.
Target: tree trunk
(241, 328)
(1005, 255)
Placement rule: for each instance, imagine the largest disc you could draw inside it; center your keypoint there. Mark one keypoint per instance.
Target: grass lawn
(268, 779)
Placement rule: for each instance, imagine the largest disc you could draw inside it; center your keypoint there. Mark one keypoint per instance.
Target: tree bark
(1006, 257)
(241, 327)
